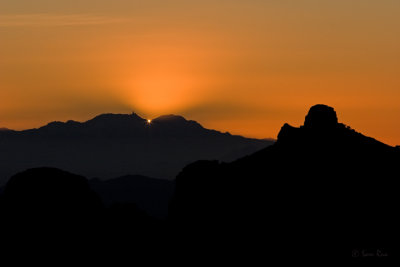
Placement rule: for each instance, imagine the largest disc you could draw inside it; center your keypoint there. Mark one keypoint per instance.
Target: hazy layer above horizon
(245, 67)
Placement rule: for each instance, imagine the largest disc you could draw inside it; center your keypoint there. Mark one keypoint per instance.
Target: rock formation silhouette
(321, 116)
(319, 191)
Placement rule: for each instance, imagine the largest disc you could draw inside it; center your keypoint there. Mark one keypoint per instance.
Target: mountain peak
(322, 129)
(116, 117)
(176, 120)
(170, 118)
(321, 117)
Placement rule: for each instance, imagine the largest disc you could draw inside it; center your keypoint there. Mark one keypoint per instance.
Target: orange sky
(240, 66)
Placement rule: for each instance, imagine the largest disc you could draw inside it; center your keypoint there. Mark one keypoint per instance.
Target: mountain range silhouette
(319, 192)
(113, 145)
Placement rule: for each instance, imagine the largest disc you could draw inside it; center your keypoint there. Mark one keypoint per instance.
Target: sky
(243, 66)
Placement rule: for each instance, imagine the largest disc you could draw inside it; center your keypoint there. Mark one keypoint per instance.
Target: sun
(148, 121)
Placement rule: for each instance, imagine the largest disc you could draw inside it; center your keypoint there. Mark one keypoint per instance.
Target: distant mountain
(112, 145)
(148, 194)
(320, 192)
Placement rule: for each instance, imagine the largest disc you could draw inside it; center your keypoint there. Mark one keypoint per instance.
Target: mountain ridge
(111, 119)
(112, 145)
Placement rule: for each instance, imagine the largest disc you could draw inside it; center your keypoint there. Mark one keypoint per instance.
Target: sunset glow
(246, 67)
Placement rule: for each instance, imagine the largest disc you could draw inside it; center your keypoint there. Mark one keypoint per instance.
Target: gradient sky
(243, 66)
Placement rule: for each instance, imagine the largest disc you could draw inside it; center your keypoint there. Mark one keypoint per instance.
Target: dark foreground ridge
(320, 192)
(148, 194)
(51, 215)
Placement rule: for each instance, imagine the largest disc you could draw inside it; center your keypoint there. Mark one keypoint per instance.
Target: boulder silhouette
(321, 116)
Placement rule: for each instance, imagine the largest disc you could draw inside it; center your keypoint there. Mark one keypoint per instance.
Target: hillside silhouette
(320, 191)
(47, 206)
(50, 212)
(113, 145)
